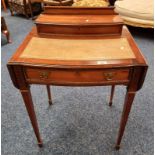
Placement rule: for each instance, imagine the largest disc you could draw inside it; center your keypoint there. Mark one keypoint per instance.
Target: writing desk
(78, 60)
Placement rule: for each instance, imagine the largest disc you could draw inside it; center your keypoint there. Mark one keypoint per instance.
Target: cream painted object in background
(136, 12)
(90, 3)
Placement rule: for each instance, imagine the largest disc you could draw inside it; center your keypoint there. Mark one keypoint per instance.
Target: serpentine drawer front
(80, 75)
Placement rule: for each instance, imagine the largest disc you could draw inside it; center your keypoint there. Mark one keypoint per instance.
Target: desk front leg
(136, 83)
(18, 78)
(26, 94)
(126, 110)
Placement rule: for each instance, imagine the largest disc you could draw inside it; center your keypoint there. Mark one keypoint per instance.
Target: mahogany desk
(78, 60)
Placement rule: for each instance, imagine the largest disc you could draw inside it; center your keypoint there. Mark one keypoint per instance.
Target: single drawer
(76, 76)
(104, 29)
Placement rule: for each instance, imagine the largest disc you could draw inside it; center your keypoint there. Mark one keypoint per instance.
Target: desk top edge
(15, 60)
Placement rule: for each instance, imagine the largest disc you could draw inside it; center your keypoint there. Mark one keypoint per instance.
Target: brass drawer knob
(44, 75)
(109, 76)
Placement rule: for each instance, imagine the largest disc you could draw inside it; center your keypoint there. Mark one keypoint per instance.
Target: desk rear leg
(49, 94)
(112, 95)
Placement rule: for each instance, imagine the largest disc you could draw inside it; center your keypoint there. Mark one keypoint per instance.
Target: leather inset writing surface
(75, 49)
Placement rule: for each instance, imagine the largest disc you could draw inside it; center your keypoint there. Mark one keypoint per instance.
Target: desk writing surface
(81, 49)
(24, 56)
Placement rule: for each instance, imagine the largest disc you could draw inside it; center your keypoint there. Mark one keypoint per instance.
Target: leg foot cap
(9, 41)
(50, 102)
(110, 104)
(40, 145)
(117, 147)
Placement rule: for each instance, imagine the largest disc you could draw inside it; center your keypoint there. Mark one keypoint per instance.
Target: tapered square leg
(49, 94)
(126, 110)
(112, 95)
(26, 94)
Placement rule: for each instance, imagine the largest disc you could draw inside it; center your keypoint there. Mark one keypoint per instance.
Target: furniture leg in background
(4, 5)
(5, 30)
(25, 7)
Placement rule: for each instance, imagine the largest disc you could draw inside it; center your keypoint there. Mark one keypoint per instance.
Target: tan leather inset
(63, 49)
